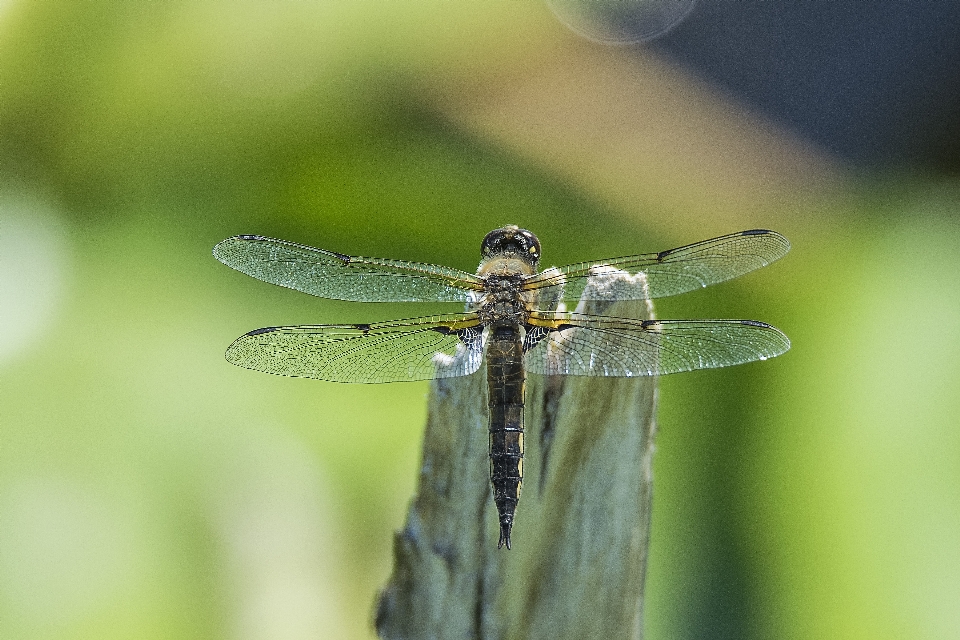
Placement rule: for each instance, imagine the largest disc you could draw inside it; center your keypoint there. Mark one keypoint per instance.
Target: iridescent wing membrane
(333, 275)
(584, 345)
(396, 351)
(452, 344)
(401, 350)
(670, 272)
(580, 344)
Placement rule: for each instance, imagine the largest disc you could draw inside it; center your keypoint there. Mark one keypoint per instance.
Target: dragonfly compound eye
(514, 240)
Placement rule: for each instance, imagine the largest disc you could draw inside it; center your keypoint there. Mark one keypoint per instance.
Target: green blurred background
(150, 490)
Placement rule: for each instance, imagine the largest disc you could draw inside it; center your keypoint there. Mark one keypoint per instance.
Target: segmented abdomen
(505, 386)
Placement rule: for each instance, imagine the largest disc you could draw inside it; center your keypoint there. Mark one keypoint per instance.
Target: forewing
(670, 272)
(584, 345)
(333, 275)
(396, 351)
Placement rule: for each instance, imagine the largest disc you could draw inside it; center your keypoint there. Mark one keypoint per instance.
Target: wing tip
(257, 332)
(233, 353)
(221, 250)
(771, 233)
(784, 345)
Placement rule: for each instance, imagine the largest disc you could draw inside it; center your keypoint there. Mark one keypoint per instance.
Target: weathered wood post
(580, 540)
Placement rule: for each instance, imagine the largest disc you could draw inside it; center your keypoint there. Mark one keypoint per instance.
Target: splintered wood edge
(580, 542)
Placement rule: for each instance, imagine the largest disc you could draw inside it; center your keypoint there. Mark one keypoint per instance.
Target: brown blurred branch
(640, 133)
(580, 542)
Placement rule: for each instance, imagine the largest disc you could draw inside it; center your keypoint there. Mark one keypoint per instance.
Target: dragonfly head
(511, 241)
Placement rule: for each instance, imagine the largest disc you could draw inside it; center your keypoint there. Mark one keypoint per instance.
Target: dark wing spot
(245, 237)
(257, 332)
(646, 324)
(755, 323)
(664, 254)
(362, 327)
(340, 256)
(533, 337)
(755, 232)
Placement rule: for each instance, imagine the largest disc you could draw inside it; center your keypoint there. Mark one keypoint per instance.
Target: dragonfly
(514, 322)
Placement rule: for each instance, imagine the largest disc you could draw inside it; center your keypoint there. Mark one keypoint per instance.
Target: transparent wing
(584, 345)
(333, 275)
(396, 351)
(671, 272)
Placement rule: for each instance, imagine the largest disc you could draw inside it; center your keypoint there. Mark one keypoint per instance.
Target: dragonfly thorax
(503, 287)
(503, 302)
(503, 313)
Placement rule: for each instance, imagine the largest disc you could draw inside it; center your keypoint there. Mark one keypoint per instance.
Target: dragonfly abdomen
(505, 386)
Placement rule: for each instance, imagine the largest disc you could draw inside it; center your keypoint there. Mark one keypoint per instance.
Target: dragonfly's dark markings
(533, 336)
(511, 319)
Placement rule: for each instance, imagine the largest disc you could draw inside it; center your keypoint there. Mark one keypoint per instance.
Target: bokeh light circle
(33, 265)
(621, 21)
